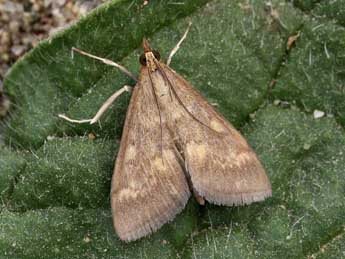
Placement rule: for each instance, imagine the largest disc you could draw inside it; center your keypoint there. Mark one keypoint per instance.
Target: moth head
(149, 56)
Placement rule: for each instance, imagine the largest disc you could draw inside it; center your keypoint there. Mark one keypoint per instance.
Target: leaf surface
(55, 178)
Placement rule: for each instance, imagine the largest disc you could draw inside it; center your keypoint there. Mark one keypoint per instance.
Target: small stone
(5, 57)
(47, 3)
(11, 7)
(28, 40)
(14, 26)
(18, 50)
(5, 37)
(4, 105)
(61, 2)
(318, 114)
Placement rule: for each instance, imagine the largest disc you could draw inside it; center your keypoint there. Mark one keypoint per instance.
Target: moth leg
(106, 61)
(103, 108)
(175, 49)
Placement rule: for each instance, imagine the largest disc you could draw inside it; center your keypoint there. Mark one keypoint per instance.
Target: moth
(174, 144)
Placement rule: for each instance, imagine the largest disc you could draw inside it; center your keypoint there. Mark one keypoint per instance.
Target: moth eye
(142, 59)
(156, 54)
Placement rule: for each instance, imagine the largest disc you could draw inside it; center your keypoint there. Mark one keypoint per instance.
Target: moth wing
(223, 168)
(147, 191)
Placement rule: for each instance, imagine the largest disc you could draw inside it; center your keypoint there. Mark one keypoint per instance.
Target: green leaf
(314, 73)
(73, 172)
(64, 233)
(55, 178)
(332, 10)
(11, 165)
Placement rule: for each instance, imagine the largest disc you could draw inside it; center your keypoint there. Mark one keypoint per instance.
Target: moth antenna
(175, 49)
(103, 108)
(108, 62)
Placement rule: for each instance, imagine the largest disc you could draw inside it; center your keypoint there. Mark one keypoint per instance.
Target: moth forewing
(222, 166)
(148, 187)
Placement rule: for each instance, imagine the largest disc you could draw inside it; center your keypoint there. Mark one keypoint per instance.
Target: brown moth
(175, 144)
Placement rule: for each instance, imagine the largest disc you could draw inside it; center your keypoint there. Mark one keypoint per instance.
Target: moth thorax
(150, 60)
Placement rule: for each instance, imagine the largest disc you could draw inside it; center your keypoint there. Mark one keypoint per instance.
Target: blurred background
(24, 23)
